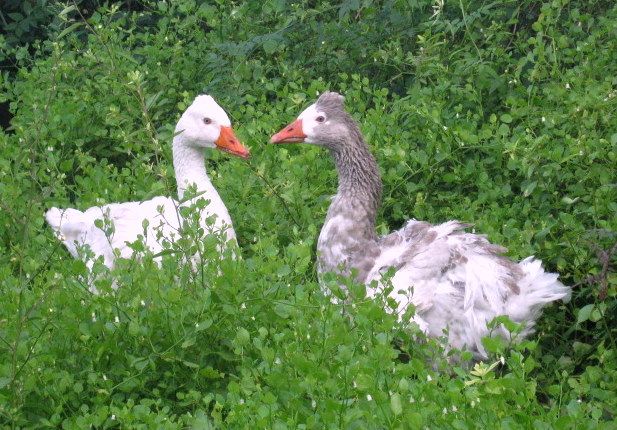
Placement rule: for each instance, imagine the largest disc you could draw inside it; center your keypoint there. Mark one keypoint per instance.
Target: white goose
(203, 125)
(457, 281)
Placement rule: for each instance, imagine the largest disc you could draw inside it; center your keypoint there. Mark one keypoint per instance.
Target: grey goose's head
(324, 123)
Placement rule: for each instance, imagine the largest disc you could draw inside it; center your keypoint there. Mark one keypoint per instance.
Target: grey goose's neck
(359, 182)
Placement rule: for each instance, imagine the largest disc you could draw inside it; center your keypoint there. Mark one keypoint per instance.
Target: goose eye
(320, 118)
(207, 121)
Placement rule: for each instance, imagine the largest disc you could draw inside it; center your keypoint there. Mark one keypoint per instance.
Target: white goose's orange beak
(228, 142)
(292, 133)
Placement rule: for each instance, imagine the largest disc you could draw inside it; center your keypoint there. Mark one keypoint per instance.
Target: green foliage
(500, 114)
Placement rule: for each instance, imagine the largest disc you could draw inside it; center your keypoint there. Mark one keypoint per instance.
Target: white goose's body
(457, 281)
(157, 220)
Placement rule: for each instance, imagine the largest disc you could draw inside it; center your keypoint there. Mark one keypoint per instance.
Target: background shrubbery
(501, 114)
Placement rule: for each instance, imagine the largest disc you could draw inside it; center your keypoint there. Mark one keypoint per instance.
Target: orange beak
(292, 133)
(228, 142)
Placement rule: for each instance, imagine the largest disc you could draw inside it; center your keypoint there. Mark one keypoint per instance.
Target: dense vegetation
(497, 113)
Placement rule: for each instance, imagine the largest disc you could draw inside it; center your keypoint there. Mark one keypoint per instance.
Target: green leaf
(188, 342)
(283, 310)
(69, 29)
(567, 200)
(395, 404)
(66, 10)
(506, 118)
(348, 6)
(4, 381)
(584, 313)
(270, 46)
(205, 324)
(242, 337)
(528, 189)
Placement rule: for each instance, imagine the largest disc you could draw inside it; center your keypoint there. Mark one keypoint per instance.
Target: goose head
(205, 124)
(324, 123)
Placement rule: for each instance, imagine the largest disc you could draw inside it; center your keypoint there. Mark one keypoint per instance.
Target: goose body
(203, 125)
(457, 281)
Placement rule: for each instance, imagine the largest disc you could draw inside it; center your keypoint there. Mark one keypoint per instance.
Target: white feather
(122, 223)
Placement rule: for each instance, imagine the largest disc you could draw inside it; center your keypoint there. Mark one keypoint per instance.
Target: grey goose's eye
(320, 118)
(207, 121)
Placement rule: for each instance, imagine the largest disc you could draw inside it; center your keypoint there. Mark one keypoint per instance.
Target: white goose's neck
(190, 168)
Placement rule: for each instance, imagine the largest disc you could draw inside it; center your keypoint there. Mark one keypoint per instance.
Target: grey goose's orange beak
(228, 142)
(292, 133)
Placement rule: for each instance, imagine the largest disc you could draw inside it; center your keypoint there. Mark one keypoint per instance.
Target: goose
(457, 281)
(204, 124)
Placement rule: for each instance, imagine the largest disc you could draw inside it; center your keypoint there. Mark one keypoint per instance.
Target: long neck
(359, 183)
(190, 169)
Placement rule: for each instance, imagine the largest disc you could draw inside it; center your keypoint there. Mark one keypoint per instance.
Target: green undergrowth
(500, 115)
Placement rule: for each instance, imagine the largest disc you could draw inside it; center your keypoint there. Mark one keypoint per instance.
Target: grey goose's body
(456, 280)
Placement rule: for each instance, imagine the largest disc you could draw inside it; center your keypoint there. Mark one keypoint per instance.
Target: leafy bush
(497, 114)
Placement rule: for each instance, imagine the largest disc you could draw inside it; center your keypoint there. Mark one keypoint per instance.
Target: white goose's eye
(207, 121)
(320, 118)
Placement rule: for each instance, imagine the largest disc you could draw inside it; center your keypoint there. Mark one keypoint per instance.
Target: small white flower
(502, 360)
(50, 148)
(354, 384)
(429, 378)
(93, 317)
(444, 411)
(113, 417)
(308, 337)
(116, 319)
(473, 404)
(567, 86)
(277, 360)
(241, 401)
(454, 408)
(369, 397)
(411, 399)
(142, 303)
(313, 404)
(242, 306)
(543, 119)
(104, 377)
(579, 400)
